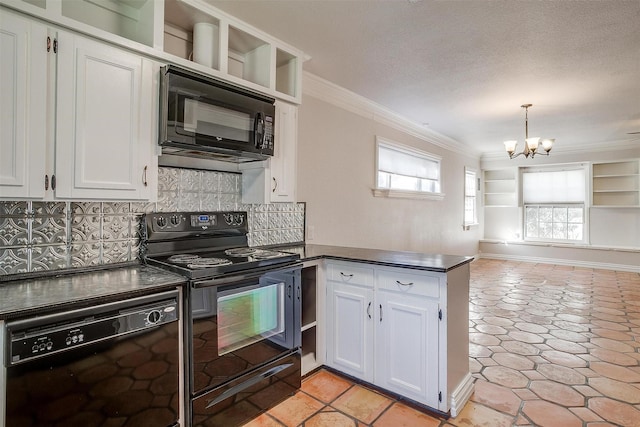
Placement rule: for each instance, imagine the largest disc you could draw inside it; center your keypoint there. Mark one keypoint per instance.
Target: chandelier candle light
(531, 144)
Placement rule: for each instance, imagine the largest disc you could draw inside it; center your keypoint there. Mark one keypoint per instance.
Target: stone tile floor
(550, 345)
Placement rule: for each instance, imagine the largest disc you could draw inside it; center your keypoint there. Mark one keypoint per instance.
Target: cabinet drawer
(409, 283)
(350, 273)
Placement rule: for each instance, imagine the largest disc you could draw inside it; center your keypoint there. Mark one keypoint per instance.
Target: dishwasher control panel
(38, 337)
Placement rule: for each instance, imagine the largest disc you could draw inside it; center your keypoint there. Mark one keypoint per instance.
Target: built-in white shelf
(500, 187)
(616, 184)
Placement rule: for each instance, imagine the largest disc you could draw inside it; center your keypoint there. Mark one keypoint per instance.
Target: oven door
(241, 324)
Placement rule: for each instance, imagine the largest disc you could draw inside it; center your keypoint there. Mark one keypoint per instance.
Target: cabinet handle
(144, 176)
(404, 284)
(55, 45)
(275, 185)
(299, 293)
(369, 310)
(53, 182)
(346, 276)
(46, 182)
(380, 312)
(48, 44)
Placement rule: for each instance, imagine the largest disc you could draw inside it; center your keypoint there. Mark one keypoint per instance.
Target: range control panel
(195, 221)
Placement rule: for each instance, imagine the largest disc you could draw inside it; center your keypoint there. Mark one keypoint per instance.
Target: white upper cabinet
(78, 116)
(23, 95)
(276, 181)
(105, 118)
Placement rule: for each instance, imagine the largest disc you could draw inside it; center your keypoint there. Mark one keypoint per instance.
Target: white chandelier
(531, 145)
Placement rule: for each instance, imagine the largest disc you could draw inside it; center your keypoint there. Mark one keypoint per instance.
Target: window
(554, 204)
(470, 200)
(406, 172)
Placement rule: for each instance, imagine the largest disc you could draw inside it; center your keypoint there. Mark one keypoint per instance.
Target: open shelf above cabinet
(134, 20)
(189, 33)
(239, 52)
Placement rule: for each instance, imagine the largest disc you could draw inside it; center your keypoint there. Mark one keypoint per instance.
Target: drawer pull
(346, 276)
(369, 310)
(404, 284)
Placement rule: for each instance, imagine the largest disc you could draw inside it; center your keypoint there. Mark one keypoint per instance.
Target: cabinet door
(283, 163)
(407, 346)
(350, 330)
(275, 180)
(23, 107)
(104, 120)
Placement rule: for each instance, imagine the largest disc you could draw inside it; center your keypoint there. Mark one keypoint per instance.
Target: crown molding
(331, 93)
(619, 145)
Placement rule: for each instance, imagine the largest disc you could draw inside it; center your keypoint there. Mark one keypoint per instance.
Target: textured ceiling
(463, 68)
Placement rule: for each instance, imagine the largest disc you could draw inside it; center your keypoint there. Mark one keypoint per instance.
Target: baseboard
(461, 395)
(569, 262)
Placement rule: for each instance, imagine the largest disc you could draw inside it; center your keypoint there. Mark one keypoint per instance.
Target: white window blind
(553, 186)
(406, 169)
(554, 205)
(399, 162)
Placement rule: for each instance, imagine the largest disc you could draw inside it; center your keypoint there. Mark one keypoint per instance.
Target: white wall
(336, 169)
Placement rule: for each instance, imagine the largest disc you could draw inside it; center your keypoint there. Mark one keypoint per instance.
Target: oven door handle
(248, 383)
(243, 277)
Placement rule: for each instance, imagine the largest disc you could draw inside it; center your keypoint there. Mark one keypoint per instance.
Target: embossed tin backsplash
(38, 236)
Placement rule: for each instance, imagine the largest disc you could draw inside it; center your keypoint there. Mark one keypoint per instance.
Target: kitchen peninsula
(397, 320)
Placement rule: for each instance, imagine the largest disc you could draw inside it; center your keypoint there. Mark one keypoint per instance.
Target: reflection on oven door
(203, 303)
(250, 316)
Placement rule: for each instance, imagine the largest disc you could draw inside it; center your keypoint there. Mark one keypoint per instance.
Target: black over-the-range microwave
(204, 117)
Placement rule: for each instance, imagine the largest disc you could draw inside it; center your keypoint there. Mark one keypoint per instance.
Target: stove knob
(154, 317)
(175, 220)
(228, 218)
(239, 219)
(161, 221)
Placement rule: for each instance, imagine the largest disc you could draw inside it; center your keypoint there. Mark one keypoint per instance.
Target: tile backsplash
(37, 236)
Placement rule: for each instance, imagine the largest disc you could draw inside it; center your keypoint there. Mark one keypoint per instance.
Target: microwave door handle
(259, 130)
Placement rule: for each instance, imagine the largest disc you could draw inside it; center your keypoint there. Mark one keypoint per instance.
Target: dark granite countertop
(65, 291)
(71, 290)
(413, 260)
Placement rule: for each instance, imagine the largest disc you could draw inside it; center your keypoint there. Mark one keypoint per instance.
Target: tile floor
(550, 345)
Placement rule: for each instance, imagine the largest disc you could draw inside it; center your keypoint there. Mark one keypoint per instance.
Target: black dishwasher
(115, 364)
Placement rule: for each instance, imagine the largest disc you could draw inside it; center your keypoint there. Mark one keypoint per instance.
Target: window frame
(402, 193)
(474, 222)
(584, 204)
(567, 222)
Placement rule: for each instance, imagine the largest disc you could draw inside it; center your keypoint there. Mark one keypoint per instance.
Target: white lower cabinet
(406, 338)
(350, 329)
(387, 326)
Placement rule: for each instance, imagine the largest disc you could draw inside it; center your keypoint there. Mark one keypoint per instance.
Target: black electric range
(201, 245)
